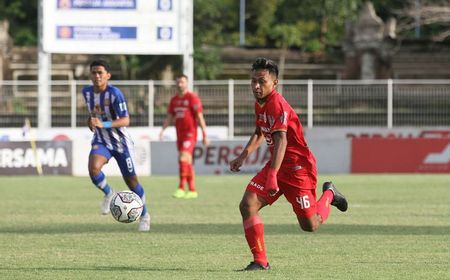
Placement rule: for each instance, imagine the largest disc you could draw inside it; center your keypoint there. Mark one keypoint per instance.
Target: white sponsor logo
(19, 158)
(265, 129)
(438, 158)
(179, 112)
(263, 117)
(256, 185)
(186, 144)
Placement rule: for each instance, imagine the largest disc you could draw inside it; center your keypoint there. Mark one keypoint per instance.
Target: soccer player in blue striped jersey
(108, 119)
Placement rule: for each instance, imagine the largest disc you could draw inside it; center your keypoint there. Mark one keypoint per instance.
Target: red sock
(184, 171)
(190, 178)
(323, 205)
(254, 233)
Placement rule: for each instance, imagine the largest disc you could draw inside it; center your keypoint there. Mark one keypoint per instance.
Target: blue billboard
(96, 32)
(96, 4)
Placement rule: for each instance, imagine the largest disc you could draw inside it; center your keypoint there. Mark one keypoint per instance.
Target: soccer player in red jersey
(186, 111)
(291, 170)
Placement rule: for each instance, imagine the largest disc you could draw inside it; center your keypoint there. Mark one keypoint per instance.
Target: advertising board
(413, 155)
(39, 158)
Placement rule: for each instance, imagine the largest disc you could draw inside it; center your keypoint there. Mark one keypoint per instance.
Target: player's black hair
(262, 63)
(100, 62)
(181, 76)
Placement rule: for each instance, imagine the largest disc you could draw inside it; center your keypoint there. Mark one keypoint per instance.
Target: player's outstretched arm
(202, 123)
(168, 121)
(255, 141)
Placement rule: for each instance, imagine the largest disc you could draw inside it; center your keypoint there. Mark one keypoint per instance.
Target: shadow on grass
(97, 268)
(227, 229)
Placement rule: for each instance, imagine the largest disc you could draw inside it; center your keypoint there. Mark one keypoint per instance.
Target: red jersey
(277, 115)
(184, 109)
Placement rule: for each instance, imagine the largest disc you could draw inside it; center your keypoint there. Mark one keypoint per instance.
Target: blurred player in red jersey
(291, 170)
(186, 111)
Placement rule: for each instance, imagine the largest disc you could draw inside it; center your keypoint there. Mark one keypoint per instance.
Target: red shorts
(186, 143)
(298, 186)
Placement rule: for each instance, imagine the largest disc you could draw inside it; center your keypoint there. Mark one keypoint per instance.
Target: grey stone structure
(369, 46)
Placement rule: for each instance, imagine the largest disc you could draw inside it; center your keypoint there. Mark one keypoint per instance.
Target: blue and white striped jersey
(108, 105)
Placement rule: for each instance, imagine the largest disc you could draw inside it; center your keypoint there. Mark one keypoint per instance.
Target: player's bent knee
(247, 209)
(309, 225)
(93, 171)
(95, 168)
(309, 228)
(244, 208)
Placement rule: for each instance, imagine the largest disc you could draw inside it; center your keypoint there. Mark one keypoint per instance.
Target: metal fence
(379, 103)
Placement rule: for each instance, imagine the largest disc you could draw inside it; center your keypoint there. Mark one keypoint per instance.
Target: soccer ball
(126, 206)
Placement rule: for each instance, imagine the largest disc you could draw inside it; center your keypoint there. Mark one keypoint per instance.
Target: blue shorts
(124, 160)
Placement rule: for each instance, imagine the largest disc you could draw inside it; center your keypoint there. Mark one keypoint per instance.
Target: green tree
(310, 25)
(22, 18)
(289, 35)
(260, 17)
(207, 63)
(325, 20)
(216, 22)
(215, 25)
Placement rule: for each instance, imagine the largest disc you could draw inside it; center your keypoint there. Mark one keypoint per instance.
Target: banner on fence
(415, 155)
(213, 159)
(41, 157)
(332, 156)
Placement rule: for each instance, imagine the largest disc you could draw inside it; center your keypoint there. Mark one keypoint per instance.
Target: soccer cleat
(179, 193)
(144, 223)
(105, 203)
(256, 266)
(339, 200)
(190, 194)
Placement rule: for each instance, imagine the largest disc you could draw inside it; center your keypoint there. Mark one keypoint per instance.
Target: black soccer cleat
(256, 266)
(339, 200)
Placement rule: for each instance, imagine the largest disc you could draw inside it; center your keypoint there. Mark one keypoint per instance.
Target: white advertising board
(332, 155)
(81, 139)
(116, 26)
(81, 148)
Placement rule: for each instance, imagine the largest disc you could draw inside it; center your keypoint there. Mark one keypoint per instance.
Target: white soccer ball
(126, 206)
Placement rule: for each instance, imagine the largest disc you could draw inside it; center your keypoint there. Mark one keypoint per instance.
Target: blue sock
(106, 189)
(139, 190)
(100, 182)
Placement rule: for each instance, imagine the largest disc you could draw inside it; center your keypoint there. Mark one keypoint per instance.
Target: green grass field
(397, 227)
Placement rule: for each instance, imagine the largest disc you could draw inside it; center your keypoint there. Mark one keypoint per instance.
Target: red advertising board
(412, 155)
